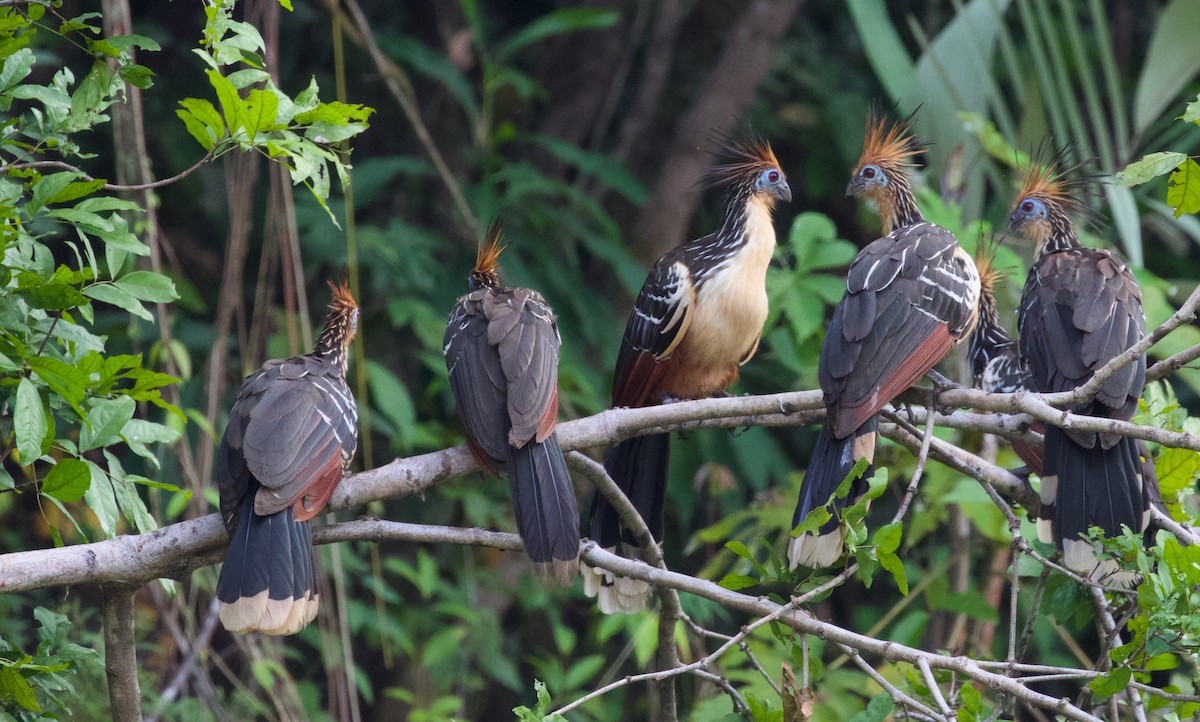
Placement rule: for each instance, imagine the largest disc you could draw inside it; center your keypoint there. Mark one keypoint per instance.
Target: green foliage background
(104, 413)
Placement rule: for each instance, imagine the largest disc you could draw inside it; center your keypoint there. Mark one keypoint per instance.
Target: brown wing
(477, 380)
(657, 324)
(522, 329)
(909, 296)
(1081, 307)
(293, 428)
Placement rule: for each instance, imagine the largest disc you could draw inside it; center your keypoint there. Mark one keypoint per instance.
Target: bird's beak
(783, 192)
(854, 187)
(1015, 222)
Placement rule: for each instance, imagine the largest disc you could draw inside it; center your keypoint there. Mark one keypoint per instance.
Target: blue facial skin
(1029, 210)
(869, 177)
(772, 181)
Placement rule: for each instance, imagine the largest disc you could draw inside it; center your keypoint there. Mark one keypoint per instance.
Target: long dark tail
(1082, 488)
(268, 582)
(639, 467)
(545, 507)
(832, 461)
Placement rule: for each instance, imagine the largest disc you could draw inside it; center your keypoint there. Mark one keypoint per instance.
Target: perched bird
(501, 349)
(910, 296)
(995, 363)
(1080, 308)
(698, 317)
(291, 435)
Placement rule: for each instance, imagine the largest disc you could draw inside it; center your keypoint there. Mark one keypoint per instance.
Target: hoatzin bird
(698, 317)
(291, 435)
(995, 364)
(501, 349)
(1080, 308)
(910, 296)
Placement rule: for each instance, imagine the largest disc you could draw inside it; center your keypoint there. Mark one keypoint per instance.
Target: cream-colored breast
(731, 305)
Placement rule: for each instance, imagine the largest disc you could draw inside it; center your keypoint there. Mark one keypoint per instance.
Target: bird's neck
(333, 348)
(898, 208)
(989, 337)
(1059, 236)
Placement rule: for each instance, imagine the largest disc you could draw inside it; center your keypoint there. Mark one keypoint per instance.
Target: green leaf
(132, 505)
(887, 537)
(1111, 683)
(258, 111)
(108, 293)
(105, 422)
(17, 688)
(1183, 193)
(1171, 62)
(884, 47)
(891, 563)
(559, 21)
(29, 422)
(1191, 114)
(735, 582)
(68, 481)
(76, 190)
(1177, 469)
(202, 121)
(100, 499)
(1150, 166)
(230, 101)
(16, 68)
(740, 549)
(148, 286)
(880, 706)
(63, 379)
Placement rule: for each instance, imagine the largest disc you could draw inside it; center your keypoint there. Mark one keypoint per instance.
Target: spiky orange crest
(740, 160)
(889, 143)
(486, 273)
(342, 299)
(990, 275)
(1053, 182)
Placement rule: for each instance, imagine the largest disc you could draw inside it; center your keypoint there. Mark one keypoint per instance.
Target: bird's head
(881, 175)
(889, 149)
(486, 273)
(990, 274)
(342, 322)
(750, 169)
(1050, 192)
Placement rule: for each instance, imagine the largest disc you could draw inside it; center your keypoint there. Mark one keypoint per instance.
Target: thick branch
(120, 659)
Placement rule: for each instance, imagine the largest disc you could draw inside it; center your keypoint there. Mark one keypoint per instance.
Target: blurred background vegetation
(587, 125)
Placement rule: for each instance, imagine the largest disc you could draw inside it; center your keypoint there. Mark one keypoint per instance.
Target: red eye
(868, 172)
(1027, 206)
(773, 176)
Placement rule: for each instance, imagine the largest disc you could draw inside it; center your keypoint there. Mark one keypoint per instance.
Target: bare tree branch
(120, 657)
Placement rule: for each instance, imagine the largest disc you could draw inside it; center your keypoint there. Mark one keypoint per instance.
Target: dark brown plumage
(291, 435)
(501, 349)
(1080, 308)
(698, 317)
(910, 296)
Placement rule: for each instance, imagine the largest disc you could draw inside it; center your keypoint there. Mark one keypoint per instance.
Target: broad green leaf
(100, 499)
(202, 121)
(68, 480)
(735, 582)
(76, 190)
(1183, 194)
(148, 286)
(63, 379)
(1150, 166)
(884, 47)
(1177, 469)
(1171, 62)
(16, 67)
(878, 709)
(888, 536)
(105, 421)
(1111, 683)
(258, 111)
(48, 187)
(230, 101)
(15, 687)
(29, 422)
(891, 563)
(132, 505)
(108, 293)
